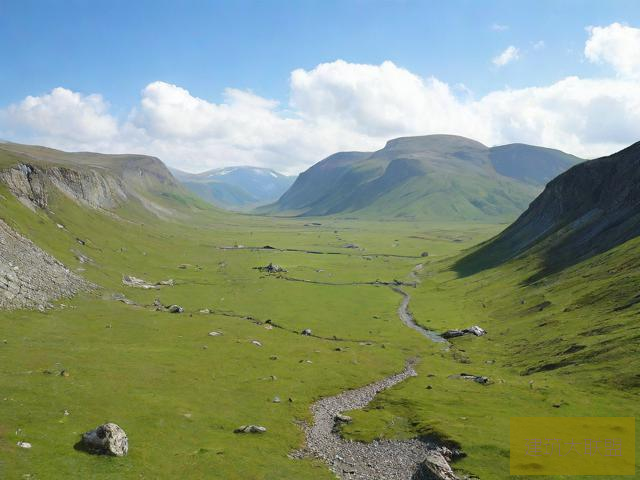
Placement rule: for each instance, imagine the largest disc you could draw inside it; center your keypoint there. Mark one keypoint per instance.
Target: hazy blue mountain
(236, 188)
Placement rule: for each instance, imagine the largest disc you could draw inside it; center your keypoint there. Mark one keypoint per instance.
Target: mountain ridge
(433, 176)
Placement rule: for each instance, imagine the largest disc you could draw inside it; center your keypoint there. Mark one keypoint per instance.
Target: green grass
(179, 402)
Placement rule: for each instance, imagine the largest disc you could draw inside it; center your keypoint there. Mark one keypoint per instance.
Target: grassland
(180, 393)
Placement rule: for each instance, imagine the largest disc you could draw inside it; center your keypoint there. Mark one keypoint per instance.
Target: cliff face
(587, 210)
(92, 180)
(32, 184)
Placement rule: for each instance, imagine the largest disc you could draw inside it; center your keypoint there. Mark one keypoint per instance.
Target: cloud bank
(345, 106)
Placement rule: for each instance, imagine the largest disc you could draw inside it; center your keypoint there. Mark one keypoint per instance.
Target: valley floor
(179, 393)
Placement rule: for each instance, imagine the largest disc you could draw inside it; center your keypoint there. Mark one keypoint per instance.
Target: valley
(370, 292)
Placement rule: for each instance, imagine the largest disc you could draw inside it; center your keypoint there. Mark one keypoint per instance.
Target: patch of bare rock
(30, 277)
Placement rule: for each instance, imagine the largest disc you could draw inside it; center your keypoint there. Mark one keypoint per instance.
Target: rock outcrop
(30, 277)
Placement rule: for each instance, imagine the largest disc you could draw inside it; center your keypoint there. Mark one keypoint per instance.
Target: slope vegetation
(436, 177)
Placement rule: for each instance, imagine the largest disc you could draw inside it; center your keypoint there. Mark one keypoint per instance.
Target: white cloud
(498, 27)
(617, 45)
(334, 106)
(65, 114)
(509, 54)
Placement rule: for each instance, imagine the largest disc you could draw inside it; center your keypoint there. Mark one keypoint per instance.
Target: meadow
(179, 393)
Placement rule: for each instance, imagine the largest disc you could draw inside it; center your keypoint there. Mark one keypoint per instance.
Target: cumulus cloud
(508, 55)
(334, 106)
(617, 45)
(64, 114)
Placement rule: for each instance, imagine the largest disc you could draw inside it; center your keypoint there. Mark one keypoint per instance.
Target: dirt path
(378, 460)
(387, 459)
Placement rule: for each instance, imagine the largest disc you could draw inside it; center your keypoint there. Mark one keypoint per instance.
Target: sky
(207, 84)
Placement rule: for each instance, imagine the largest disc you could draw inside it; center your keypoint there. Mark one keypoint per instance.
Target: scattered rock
(435, 466)
(256, 343)
(121, 298)
(135, 282)
(175, 309)
(214, 334)
(205, 311)
(272, 268)
(475, 330)
(250, 429)
(307, 332)
(169, 283)
(476, 378)
(452, 334)
(339, 417)
(24, 444)
(107, 439)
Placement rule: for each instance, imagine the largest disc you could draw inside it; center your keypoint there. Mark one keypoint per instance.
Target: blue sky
(116, 49)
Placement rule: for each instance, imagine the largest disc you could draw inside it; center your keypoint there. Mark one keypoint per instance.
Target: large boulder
(107, 439)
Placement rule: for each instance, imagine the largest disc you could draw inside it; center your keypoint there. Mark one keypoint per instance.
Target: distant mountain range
(236, 188)
(436, 177)
(590, 209)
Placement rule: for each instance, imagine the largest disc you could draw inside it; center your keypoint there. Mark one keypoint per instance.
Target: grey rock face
(89, 187)
(29, 277)
(107, 439)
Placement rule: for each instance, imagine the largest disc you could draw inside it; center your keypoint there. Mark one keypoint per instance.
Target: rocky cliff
(587, 210)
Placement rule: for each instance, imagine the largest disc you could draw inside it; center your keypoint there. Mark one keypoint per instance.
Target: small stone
(276, 400)
(256, 343)
(175, 309)
(214, 334)
(24, 444)
(306, 332)
(205, 311)
(273, 357)
(250, 429)
(339, 417)
(64, 373)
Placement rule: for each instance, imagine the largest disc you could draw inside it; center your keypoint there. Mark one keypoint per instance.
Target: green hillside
(434, 177)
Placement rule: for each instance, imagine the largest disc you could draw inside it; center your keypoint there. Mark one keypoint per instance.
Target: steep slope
(439, 177)
(99, 181)
(587, 210)
(236, 188)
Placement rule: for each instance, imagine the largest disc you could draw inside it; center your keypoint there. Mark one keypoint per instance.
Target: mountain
(589, 209)
(236, 188)
(107, 182)
(439, 177)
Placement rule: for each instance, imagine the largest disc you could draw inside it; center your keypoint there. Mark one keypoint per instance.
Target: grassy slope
(578, 353)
